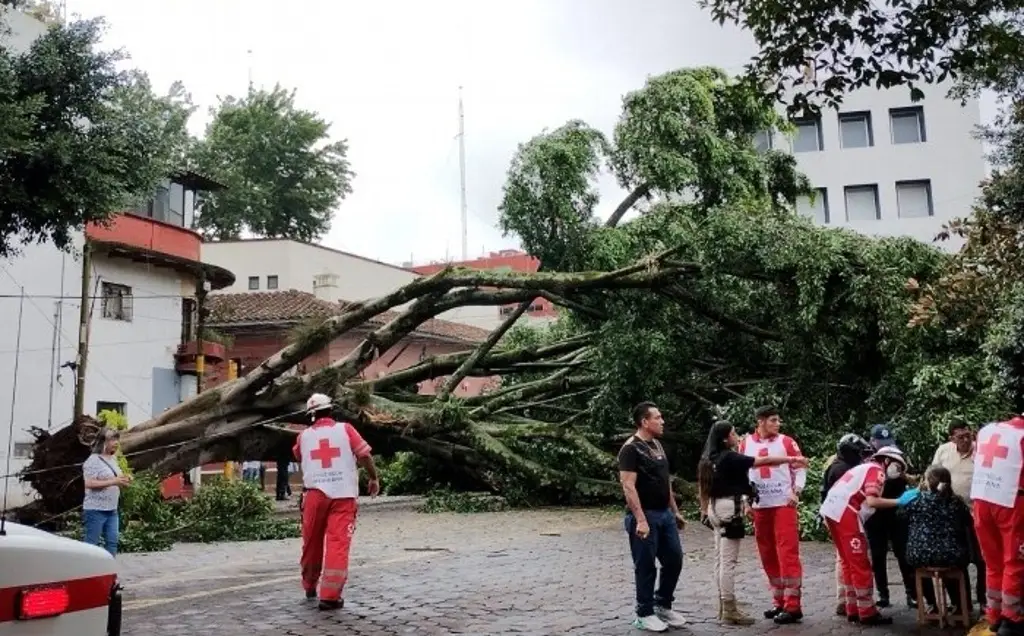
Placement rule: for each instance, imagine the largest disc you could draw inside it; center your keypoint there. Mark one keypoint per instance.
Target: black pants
(283, 487)
(975, 553)
(885, 530)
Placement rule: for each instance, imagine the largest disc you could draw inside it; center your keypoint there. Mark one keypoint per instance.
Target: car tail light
(43, 602)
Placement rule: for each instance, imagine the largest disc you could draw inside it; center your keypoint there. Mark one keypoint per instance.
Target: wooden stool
(938, 576)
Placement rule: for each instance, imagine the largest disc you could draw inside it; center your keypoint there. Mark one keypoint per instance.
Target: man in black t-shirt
(653, 521)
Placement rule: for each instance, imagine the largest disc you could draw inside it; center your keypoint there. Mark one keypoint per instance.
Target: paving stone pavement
(537, 572)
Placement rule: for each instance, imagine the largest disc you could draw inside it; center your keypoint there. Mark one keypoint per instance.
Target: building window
(254, 283)
(855, 130)
(808, 135)
(763, 141)
(914, 199)
(23, 450)
(814, 206)
(907, 125)
(535, 307)
(176, 205)
(188, 319)
(117, 407)
(862, 203)
(272, 282)
(117, 302)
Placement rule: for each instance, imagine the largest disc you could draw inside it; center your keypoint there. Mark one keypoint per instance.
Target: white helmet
(891, 453)
(318, 402)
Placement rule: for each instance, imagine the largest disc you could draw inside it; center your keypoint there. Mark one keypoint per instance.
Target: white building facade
(332, 275)
(886, 166)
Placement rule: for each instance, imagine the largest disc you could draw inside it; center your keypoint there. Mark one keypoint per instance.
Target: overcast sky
(386, 74)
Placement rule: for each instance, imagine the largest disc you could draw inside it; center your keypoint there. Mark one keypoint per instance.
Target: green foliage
(881, 44)
(284, 178)
(80, 138)
(688, 132)
(219, 511)
(119, 422)
(1005, 349)
(443, 500)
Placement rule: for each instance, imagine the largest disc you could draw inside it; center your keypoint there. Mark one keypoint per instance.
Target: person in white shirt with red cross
(329, 452)
(776, 524)
(997, 491)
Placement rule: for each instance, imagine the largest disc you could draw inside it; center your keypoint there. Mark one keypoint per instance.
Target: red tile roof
(291, 306)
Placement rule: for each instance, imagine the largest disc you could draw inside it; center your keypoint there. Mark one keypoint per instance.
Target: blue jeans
(102, 523)
(661, 545)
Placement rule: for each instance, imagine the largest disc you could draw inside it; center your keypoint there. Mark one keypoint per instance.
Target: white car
(53, 586)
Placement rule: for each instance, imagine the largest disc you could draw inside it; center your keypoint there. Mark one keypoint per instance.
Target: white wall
(18, 30)
(122, 354)
(951, 158)
(296, 264)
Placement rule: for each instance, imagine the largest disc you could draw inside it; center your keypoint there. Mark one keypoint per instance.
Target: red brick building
(504, 260)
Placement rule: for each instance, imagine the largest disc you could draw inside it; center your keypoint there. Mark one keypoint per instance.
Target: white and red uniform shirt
(774, 483)
(999, 463)
(849, 492)
(327, 452)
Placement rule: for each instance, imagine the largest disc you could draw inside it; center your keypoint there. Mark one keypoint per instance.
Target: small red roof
(255, 308)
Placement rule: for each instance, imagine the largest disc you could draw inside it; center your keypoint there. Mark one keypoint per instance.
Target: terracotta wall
(254, 347)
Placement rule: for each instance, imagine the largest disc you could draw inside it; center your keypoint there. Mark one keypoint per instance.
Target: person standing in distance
(997, 491)
(776, 524)
(652, 521)
(329, 452)
(884, 528)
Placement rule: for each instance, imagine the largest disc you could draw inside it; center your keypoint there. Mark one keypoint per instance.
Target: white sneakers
(660, 621)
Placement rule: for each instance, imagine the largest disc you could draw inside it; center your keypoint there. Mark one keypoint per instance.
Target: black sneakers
(332, 605)
(788, 618)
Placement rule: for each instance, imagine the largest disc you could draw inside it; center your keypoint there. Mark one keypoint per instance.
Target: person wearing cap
(851, 501)
(776, 520)
(851, 450)
(885, 529)
(329, 452)
(997, 491)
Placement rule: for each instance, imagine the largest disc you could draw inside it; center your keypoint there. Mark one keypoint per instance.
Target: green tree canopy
(687, 135)
(80, 138)
(284, 178)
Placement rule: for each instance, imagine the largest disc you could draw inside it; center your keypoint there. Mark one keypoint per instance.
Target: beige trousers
(727, 551)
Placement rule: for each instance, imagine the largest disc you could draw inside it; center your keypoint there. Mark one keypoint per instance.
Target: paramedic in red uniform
(328, 452)
(849, 503)
(776, 526)
(997, 489)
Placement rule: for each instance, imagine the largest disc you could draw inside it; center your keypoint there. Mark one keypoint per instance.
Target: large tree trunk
(243, 419)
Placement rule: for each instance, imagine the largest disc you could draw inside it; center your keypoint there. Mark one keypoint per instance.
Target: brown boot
(731, 615)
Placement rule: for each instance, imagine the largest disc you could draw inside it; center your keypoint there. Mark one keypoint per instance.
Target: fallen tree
(709, 308)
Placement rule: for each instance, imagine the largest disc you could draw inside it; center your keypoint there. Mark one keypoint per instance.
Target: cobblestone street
(543, 572)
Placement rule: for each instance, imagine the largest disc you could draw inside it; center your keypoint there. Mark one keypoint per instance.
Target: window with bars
(117, 302)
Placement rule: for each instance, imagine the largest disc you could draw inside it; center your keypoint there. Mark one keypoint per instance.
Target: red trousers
(327, 529)
(777, 531)
(1001, 539)
(856, 579)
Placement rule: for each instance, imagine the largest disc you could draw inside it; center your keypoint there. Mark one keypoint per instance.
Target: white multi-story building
(330, 274)
(887, 166)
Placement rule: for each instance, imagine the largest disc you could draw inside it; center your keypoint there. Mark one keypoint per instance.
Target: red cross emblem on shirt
(325, 454)
(766, 471)
(991, 450)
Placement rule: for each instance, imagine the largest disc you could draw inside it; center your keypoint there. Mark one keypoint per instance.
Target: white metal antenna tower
(462, 180)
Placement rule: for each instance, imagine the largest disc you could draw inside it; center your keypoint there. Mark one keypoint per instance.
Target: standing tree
(284, 179)
(80, 138)
(883, 43)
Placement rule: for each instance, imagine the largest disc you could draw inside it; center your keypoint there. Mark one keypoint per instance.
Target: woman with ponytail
(938, 523)
(724, 489)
